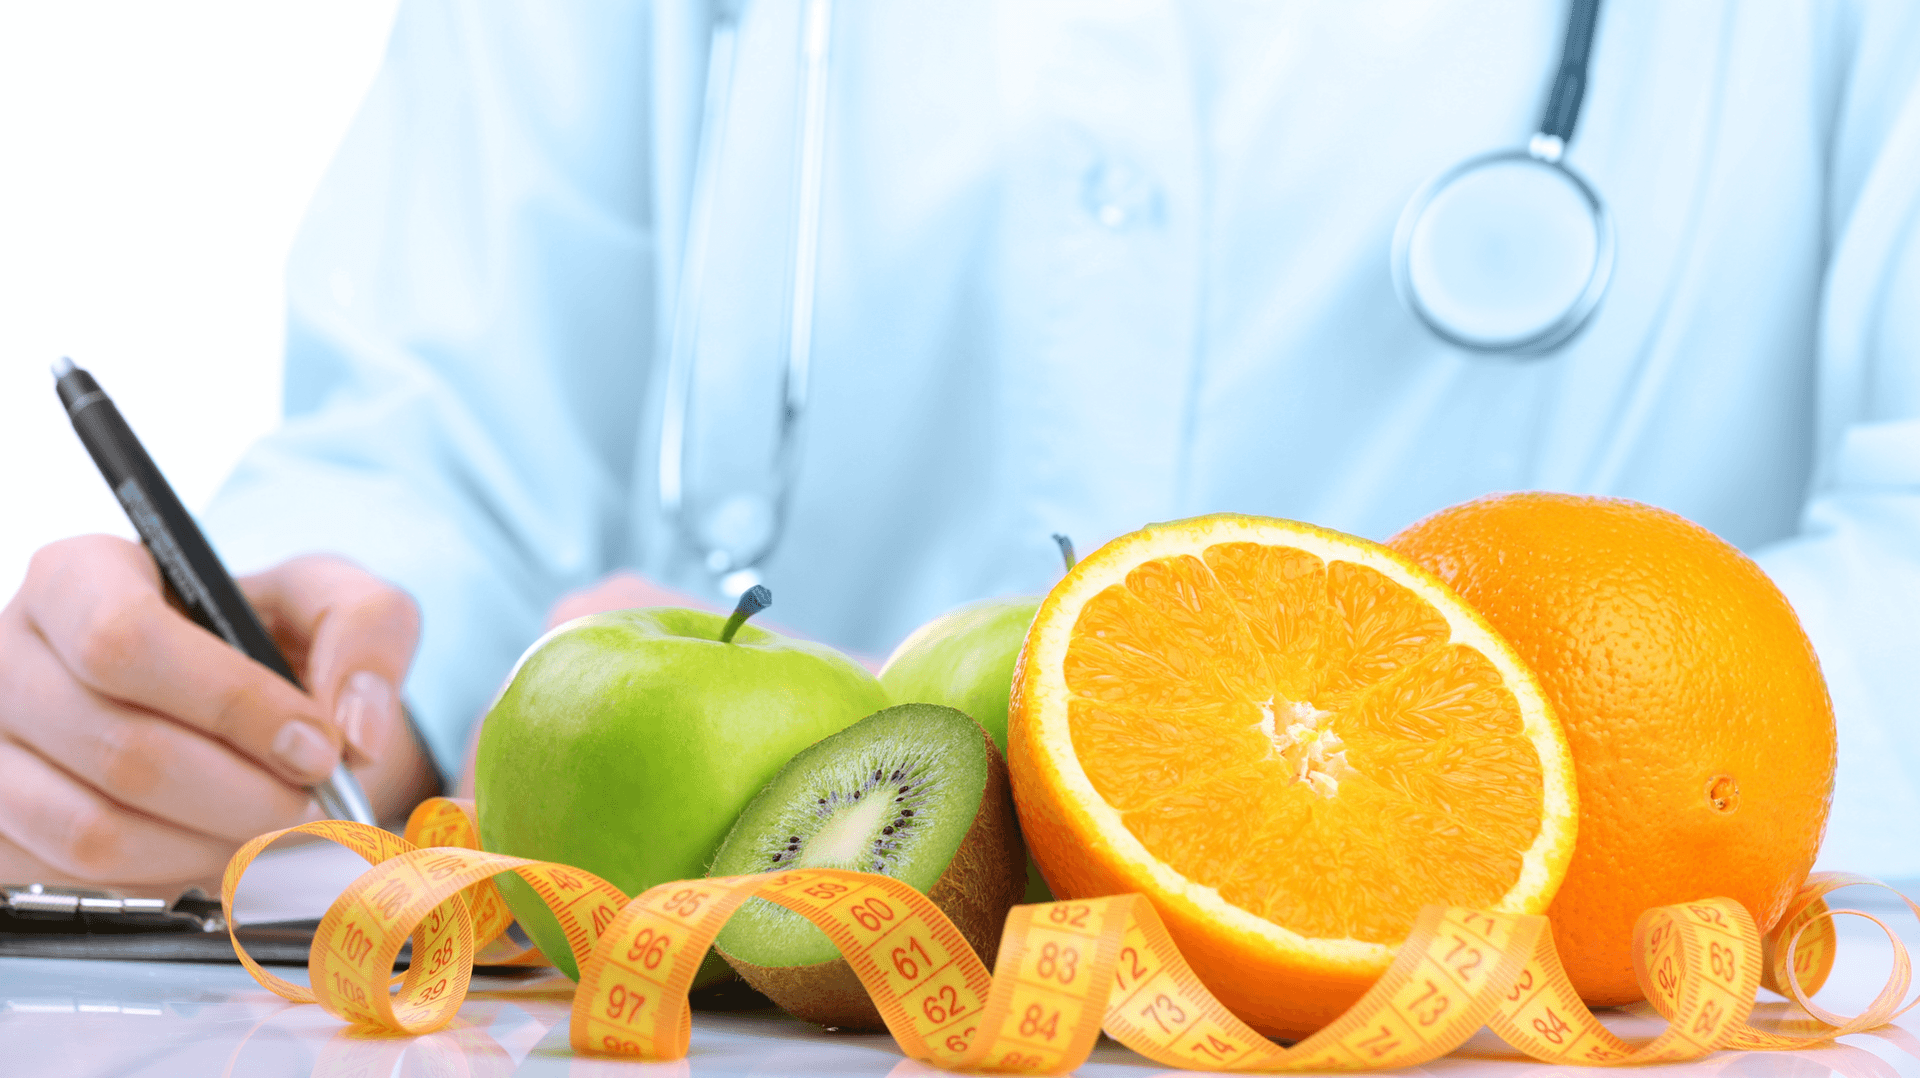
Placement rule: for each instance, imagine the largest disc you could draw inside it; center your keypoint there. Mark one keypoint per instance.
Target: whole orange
(1701, 730)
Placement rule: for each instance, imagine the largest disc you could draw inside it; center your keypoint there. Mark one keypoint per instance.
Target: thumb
(359, 634)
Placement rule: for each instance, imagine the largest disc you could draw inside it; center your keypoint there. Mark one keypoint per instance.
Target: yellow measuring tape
(1065, 970)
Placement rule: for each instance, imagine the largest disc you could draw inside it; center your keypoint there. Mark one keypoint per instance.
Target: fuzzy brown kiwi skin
(986, 878)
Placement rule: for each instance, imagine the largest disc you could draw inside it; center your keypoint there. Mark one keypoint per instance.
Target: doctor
(574, 320)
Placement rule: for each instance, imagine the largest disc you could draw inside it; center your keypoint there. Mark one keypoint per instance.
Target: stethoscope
(1509, 253)
(1506, 254)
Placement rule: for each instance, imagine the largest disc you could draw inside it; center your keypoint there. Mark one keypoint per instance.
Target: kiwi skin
(986, 878)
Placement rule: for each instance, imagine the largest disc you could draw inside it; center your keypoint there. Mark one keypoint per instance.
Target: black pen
(192, 571)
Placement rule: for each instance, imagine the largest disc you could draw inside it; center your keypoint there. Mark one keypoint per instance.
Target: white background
(154, 162)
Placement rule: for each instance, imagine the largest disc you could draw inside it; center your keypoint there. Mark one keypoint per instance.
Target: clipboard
(41, 921)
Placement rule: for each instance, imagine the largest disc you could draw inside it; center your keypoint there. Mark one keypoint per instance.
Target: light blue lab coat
(1091, 263)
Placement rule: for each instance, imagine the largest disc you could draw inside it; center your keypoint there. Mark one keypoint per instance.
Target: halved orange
(1290, 740)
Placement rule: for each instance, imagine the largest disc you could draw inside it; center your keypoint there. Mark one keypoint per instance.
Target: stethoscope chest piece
(1508, 253)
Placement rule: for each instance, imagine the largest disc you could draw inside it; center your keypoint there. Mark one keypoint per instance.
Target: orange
(1700, 724)
(1290, 740)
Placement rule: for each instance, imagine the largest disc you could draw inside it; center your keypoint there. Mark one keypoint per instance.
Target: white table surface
(86, 1018)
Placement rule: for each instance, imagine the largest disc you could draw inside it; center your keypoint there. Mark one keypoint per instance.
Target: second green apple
(964, 659)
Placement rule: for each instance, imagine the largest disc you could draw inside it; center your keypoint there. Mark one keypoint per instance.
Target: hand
(138, 750)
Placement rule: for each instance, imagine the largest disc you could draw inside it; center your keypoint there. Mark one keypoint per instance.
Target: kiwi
(918, 792)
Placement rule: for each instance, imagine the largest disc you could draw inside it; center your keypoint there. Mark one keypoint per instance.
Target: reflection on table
(66, 1017)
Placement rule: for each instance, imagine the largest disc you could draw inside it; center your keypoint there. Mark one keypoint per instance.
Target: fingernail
(302, 748)
(363, 711)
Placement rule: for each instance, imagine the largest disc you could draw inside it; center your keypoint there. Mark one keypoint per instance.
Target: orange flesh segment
(1302, 737)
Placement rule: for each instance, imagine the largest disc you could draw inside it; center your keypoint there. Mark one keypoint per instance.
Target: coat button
(1120, 196)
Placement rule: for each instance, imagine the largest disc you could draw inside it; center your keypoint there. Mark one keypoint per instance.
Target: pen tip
(62, 367)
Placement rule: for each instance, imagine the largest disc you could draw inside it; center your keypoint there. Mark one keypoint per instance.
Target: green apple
(626, 744)
(964, 659)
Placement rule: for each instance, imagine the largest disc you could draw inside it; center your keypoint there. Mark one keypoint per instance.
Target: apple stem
(753, 601)
(1066, 550)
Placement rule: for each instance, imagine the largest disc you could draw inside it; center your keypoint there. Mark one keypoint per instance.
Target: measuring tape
(1065, 970)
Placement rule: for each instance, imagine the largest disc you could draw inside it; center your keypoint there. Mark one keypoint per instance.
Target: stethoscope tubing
(1558, 121)
(683, 346)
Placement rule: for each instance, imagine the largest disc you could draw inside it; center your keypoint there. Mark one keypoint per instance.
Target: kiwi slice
(917, 792)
